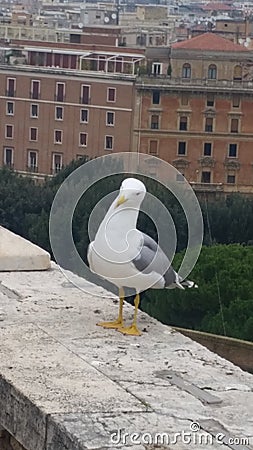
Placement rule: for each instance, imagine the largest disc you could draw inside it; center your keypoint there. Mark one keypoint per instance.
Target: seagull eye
(138, 193)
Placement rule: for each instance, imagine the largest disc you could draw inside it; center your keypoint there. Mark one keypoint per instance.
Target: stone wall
(7, 442)
(235, 350)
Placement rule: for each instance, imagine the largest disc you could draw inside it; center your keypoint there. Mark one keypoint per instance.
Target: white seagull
(127, 257)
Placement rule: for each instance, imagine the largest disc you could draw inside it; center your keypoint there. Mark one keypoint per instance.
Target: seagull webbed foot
(114, 324)
(130, 331)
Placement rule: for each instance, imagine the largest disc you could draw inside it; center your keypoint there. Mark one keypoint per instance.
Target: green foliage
(224, 274)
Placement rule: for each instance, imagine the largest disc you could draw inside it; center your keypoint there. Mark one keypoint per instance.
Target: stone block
(18, 254)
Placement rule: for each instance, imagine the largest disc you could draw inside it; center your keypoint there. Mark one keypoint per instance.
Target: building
(190, 105)
(64, 104)
(200, 117)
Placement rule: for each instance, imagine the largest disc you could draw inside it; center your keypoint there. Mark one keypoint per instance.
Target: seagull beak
(122, 199)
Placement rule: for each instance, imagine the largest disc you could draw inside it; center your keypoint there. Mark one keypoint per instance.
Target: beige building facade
(50, 117)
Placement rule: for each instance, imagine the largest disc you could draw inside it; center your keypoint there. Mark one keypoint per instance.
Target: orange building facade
(201, 118)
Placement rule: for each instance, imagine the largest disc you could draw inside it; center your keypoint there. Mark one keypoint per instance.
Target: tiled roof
(211, 42)
(216, 6)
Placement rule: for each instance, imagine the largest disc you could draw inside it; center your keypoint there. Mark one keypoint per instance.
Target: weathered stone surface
(16, 253)
(66, 384)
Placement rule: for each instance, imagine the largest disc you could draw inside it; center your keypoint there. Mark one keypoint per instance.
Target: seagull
(129, 258)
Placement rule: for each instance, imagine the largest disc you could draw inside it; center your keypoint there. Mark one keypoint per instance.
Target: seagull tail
(189, 284)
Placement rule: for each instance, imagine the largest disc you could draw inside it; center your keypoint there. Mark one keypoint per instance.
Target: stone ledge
(17, 254)
(66, 384)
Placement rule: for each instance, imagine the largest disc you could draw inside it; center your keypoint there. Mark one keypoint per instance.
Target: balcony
(56, 169)
(32, 168)
(9, 165)
(207, 187)
(164, 81)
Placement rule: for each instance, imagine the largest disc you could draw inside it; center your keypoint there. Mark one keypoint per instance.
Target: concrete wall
(234, 350)
(8, 442)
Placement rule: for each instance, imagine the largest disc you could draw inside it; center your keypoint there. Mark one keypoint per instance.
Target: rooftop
(67, 384)
(216, 6)
(211, 42)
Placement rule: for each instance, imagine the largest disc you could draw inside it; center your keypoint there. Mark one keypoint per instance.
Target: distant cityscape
(173, 80)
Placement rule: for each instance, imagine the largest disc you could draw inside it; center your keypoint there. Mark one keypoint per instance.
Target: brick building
(201, 118)
(51, 115)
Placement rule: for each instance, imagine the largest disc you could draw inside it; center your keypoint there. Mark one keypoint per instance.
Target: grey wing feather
(152, 259)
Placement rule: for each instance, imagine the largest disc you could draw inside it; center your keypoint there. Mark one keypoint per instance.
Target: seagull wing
(152, 259)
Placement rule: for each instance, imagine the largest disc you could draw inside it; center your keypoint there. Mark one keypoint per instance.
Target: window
(9, 131)
(156, 68)
(108, 142)
(234, 125)
(35, 89)
(186, 71)
(11, 87)
(236, 101)
(183, 123)
(84, 115)
(60, 92)
(33, 134)
(232, 150)
(231, 179)
(58, 136)
(110, 118)
(9, 108)
(111, 94)
(58, 113)
(154, 122)
(184, 99)
(101, 63)
(206, 177)
(32, 162)
(153, 147)
(8, 156)
(212, 72)
(181, 149)
(179, 177)
(56, 162)
(237, 73)
(156, 97)
(210, 100)
(207, 151)
(83, 139)
(209, 125)
(85, 94)
(34, 112)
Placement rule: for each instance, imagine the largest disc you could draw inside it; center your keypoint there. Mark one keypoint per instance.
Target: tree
(224, 274)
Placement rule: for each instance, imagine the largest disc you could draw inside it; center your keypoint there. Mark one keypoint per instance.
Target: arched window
(237, 73)
(212, 72)
(186, 71)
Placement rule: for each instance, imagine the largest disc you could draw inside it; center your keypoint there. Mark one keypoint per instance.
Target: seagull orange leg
(118, 323)
(133, 329)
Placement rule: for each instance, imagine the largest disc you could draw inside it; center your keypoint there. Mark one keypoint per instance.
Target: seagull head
(132, 192)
